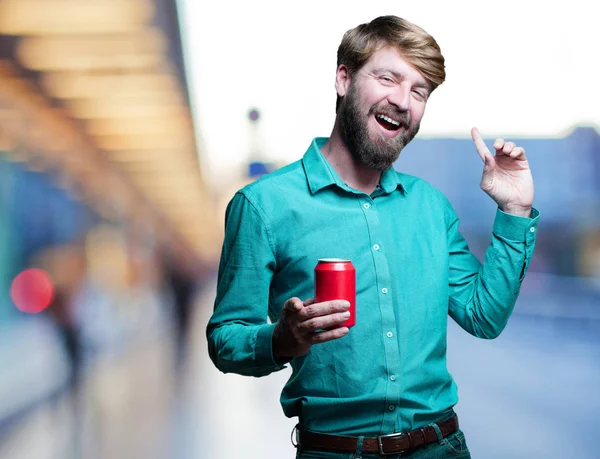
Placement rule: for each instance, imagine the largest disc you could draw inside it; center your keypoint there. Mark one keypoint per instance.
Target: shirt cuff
(263, 351)
(514, 227)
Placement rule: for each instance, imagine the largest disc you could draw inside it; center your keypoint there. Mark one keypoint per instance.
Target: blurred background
(127, 125)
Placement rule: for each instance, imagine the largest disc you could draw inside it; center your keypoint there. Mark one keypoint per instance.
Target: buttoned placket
(388, 315)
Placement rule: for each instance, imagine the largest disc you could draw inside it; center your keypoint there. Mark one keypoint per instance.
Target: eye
(419, 94)
(386, 79)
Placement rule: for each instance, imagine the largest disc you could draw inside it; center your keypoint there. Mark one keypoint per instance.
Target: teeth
(389, 120)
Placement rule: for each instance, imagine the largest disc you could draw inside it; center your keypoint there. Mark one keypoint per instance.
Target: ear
(342, 80)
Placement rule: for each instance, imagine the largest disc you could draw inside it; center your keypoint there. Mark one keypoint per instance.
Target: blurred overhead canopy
(103, 83)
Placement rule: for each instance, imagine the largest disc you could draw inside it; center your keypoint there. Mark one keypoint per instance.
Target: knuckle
(329, 322)
(318, 337)
(301, 327)
(311, 324)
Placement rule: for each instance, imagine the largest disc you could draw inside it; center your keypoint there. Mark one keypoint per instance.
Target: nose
(400, 97)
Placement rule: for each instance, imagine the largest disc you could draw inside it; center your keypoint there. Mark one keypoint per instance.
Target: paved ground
(532, 393)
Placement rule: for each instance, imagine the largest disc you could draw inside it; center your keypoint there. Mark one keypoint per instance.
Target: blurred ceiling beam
(173, 126)
(37, 17)
(72, 85)
(105, 100)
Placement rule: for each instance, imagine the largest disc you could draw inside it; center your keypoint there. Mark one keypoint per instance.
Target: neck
(350, 171)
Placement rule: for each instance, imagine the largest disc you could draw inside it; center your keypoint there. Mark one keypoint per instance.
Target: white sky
(514, 68)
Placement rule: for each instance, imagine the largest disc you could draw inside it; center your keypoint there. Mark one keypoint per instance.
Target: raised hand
(506, 175)
(297, 329)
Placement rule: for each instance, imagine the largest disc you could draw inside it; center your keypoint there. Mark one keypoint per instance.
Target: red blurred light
(32, 291)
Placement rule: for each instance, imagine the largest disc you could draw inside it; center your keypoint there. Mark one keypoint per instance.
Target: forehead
(391, 59)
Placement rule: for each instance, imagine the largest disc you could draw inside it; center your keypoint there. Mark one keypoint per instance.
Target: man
(381, 388)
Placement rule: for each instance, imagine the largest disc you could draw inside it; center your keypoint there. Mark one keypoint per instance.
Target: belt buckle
(380, 444)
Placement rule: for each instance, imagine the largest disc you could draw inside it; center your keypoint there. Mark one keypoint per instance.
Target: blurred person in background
(183, 289)
(67, 267)
(382, 387)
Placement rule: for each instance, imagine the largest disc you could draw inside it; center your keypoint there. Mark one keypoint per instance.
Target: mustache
(393, 112)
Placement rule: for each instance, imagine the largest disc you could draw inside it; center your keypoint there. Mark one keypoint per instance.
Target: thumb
(293, 305)
(487, 178)
(489, 163)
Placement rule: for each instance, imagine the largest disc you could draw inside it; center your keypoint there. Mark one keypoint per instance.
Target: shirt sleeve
(239, 335)
(483, 296)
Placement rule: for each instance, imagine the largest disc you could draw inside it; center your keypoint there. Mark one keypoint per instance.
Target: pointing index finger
(479, 143)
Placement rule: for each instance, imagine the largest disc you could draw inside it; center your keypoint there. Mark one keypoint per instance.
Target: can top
(333, 260)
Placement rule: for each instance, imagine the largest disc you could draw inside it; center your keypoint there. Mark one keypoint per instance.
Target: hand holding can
(335, 279)
(305, 323)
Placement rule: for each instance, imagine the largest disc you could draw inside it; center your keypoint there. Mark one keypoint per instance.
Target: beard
(375, 153)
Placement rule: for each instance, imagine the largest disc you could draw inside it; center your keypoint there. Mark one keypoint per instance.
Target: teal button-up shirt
(413, 269)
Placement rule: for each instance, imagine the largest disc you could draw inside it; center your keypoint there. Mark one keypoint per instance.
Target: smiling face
(382, 107)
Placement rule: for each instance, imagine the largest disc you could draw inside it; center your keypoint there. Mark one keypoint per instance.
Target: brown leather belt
(397, 443)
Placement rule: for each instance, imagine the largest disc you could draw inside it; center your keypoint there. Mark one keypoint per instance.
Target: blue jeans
(453, 446)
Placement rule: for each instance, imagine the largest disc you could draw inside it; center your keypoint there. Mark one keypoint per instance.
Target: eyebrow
(400, 76)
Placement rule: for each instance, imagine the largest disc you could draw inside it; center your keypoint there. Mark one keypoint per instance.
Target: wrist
(279, 355)
(519, 211)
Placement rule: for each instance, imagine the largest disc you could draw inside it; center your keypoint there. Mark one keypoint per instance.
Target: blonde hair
(417, 46)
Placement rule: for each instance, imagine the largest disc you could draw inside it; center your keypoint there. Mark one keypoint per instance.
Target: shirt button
(376, 247)
(367, 205)
(393, 378)
(384, 290)
(532, 230)
(391, 407)
(389, 334)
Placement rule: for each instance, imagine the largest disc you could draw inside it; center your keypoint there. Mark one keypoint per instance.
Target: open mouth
(387, 123)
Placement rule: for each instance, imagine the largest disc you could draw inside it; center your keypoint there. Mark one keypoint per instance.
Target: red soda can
(335, 279)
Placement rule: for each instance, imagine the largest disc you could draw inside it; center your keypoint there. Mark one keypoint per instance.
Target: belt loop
(359, 446)
(438, 432)
(295, 435)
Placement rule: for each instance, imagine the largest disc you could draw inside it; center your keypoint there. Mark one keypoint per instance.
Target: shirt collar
(320, 174)
(390, 181)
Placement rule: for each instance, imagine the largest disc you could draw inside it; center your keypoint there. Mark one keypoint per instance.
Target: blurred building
(100, 186)
(567, 192)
